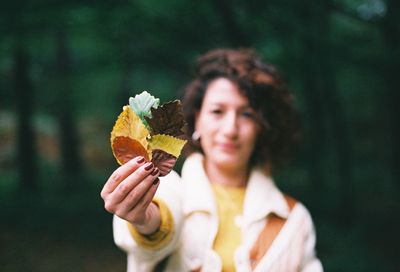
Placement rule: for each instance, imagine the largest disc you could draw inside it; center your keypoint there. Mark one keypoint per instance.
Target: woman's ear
(196, 121)
(196, 132)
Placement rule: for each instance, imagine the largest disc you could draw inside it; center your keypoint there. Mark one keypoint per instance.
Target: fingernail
(155, 182)
(140, 159)
(155, 172)
(149, 166)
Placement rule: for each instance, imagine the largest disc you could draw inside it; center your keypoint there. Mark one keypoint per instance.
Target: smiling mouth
(228, 146)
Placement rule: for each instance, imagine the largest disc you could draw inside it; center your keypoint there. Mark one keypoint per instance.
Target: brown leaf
(167, 119)
(163, 161)
(125, 149)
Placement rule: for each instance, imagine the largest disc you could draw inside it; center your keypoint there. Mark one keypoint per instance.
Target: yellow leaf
(128, 137)
(167, 143)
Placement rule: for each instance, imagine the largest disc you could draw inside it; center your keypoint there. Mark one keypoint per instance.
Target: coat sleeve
(310, 262)
(143, 258)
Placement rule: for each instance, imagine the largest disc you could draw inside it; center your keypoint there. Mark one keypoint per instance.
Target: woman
(224, 213)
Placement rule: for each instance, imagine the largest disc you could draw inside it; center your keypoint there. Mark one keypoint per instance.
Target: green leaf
(142, 103)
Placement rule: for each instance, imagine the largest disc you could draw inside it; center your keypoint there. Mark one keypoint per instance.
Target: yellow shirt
(229, 205)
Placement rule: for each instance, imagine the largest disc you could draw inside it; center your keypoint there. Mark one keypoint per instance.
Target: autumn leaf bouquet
(146, 128)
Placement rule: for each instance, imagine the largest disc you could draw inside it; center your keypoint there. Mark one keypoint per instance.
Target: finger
(115, 202)
(130, 185)
(120, 174)
(138, 213)
(140, 190)
(145, 201)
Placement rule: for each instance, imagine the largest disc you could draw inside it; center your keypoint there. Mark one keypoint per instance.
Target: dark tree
(391, 32)
(70, 148)
(26, 150)
(233, 31)
(324, 104)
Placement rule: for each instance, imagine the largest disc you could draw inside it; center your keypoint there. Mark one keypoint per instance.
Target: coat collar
(262, 196)
(196, 183)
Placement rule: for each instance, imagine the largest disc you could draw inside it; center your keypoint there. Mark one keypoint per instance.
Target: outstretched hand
(129, 191)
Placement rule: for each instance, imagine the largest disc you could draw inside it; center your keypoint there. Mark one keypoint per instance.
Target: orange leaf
(125, 149)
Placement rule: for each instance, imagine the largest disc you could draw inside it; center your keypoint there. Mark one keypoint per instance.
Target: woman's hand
(129, 191)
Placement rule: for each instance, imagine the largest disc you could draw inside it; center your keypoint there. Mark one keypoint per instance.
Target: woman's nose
(229, 125)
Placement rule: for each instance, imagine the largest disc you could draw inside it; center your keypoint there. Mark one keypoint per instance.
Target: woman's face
(227, 125)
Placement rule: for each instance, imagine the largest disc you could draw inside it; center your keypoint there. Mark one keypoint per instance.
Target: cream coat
(193, 207)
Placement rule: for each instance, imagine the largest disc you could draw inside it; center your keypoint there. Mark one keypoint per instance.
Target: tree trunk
(235, 35)
(338, 120)
(126, 86)
(26, 149)
(325, 107)
(314, 99)
(391, 32)
(70, 144)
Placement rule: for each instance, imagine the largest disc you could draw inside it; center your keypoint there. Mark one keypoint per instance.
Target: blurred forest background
(68, 67)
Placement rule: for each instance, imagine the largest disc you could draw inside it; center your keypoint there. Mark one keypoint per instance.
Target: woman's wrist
(151, 222)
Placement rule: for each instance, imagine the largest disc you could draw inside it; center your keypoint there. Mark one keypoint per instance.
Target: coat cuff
(162, 236)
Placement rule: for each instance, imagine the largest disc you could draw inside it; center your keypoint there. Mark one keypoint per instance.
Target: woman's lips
(228, 146)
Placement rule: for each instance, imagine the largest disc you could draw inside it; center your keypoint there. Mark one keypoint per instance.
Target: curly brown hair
(267, 93)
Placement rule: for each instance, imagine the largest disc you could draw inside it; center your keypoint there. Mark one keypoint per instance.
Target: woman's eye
(216, 111)
(248, 114)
